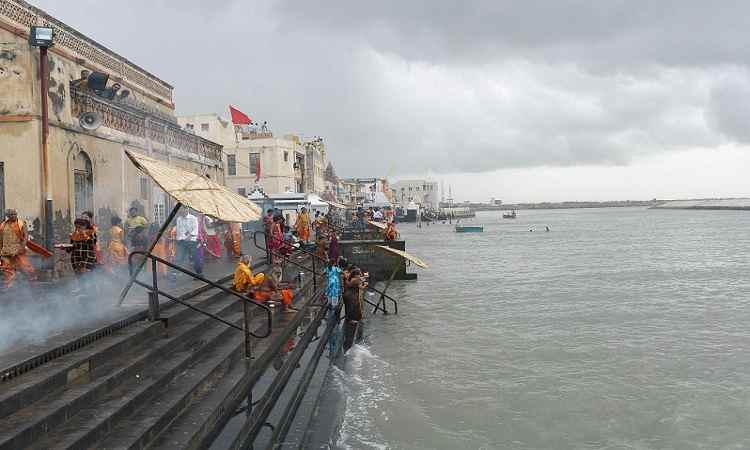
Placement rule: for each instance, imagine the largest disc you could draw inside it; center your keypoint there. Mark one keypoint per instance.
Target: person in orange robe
(13, 238)
(88, 215)
(232, 240)
(117, 253)
(303, 225)
(163, 249)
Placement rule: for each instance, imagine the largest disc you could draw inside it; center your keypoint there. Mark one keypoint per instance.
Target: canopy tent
(407, 256)
(196, 191)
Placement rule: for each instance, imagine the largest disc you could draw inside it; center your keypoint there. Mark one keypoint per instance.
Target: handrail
(255, 241)
(244, 298)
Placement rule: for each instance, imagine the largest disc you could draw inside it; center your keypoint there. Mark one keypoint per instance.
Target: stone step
(140, 394)
(196, 427)
(56, 374)
(32, 422)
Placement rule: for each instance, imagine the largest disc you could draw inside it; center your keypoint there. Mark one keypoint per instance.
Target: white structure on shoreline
(422, 192)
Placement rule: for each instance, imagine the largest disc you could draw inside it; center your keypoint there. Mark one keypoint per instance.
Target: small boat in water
(469, 228)
(510, 215)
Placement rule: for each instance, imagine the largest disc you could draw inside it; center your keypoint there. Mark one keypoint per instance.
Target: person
(82, 248)
(232, 240)
(117, 252)
(321, 250)
(333, 283)
(303, 226)
(333, 247)
(269, 289)
(352, 306)
(213, 245)
(186, 236)
(276, 239)
(13, 238)
(361, 224)
(244, 279)
(88, 215)
(135, 227)
(162, 248)
(390, 232)
(267, 230)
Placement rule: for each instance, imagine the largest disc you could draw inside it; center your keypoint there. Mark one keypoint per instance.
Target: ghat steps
(172, 383)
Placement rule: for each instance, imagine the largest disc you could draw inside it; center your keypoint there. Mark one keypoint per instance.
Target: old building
(255, 157)
(124, 106)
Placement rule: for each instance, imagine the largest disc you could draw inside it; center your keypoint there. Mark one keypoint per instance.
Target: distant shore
(734, 204)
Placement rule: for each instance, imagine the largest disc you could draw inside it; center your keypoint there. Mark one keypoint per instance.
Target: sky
(523, 101)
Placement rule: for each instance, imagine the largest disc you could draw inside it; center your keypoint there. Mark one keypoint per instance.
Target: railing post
(153, 295)
(315, 275)
(248, 344)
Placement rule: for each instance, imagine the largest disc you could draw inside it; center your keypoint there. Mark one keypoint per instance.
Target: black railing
(154, 293)
(315, 274)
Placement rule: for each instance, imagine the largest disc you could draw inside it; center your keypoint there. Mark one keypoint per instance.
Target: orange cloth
(286, 297)
(117, 252)
(161, 250)
(244, 278)
(303, 226)
(232, 240)
(10, 264)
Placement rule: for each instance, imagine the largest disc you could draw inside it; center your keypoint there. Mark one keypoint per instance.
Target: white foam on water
(363, 386)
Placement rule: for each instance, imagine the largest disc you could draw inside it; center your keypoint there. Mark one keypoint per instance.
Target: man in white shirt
(377, 216)
(186, 235)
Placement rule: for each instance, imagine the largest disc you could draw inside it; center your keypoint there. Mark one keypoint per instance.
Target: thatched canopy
(407, 256)
(197, 191)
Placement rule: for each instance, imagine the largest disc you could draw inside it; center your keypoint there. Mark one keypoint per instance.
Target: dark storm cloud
(407, 87)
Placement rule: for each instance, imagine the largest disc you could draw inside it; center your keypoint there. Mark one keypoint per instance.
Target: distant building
(256, 158)
(362, 190)
(422, 192)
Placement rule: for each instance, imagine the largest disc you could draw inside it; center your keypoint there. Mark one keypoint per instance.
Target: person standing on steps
(186, 236)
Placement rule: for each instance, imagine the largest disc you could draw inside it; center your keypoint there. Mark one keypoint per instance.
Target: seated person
(269, 290)
(244, 279)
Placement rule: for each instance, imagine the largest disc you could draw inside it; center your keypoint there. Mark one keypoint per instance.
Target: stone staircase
(172, 383)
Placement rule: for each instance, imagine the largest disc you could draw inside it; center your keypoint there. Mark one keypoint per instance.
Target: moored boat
(469, 228)
(510, 215)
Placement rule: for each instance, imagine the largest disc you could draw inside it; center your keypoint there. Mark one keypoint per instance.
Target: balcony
(129, 119)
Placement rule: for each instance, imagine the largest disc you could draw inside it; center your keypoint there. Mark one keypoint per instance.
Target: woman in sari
(232, 239)
(161, 249)
(117, 252)
(213, 246)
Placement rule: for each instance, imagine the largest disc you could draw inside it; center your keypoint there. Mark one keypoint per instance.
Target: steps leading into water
(173, 383)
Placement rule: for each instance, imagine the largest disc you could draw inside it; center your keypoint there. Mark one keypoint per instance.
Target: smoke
(38, 313)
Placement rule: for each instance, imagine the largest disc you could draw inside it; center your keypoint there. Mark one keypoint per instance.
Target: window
(189, 126)
(286, 156)
(144, 188)
(204, 127)
(416, 188)
(254, 162)
(231, 165)
(241, 191)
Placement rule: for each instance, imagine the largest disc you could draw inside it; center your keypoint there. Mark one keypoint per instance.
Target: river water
(618, 329)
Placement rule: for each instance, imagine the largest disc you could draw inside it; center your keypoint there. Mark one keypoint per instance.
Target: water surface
(619, 329)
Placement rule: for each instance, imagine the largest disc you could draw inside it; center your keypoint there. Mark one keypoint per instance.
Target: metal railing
(315, 274)
(155, 292)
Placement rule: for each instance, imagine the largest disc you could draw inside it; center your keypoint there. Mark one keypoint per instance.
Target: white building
(422, 192)
(258, 158)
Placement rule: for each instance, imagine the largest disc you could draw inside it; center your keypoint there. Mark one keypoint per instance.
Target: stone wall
(379, 263)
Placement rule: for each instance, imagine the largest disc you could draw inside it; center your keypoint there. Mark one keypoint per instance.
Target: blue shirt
(333, 284)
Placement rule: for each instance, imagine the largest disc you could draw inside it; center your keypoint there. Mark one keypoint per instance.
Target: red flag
(238, 117)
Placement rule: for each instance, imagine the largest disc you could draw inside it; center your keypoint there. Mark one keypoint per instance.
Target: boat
(469, 228)
(510, 215)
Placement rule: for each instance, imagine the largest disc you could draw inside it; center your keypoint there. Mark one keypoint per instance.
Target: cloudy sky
(521, 100)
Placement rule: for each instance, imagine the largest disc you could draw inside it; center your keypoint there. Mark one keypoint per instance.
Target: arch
(83, 181)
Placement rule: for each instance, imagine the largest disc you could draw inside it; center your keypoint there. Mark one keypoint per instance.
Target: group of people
(191, 240)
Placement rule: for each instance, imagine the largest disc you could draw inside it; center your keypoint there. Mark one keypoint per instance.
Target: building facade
(422, 192)
(256, 158)
(88, 168)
